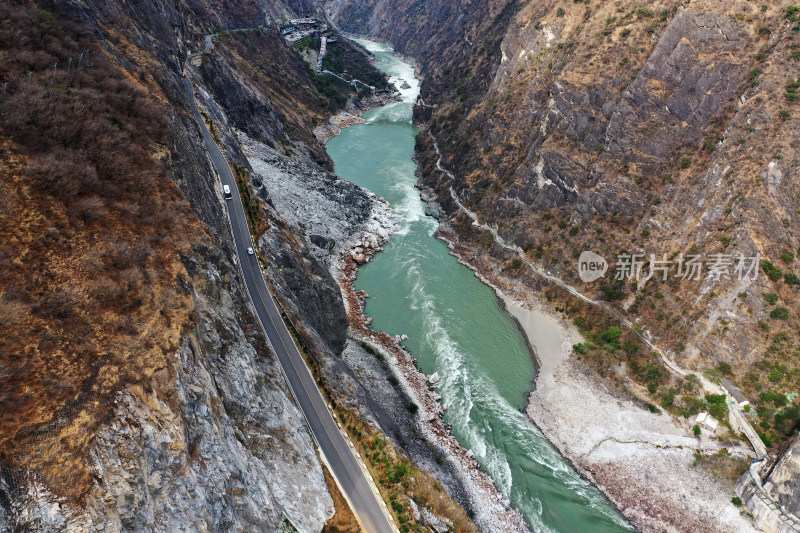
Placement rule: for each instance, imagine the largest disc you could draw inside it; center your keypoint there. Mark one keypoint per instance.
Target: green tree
(717, 405)
(774, 273)
(779, 313)
(613, 292)
(583, 348)
(611, 335)
(770, 297)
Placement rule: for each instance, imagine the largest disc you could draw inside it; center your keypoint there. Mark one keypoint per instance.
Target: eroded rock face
(692, 72)
(783, 484)
(233, 454)
(213, 442)
(781, 487)
(249, 109)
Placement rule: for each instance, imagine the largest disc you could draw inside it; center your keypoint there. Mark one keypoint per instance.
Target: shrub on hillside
(779, 313)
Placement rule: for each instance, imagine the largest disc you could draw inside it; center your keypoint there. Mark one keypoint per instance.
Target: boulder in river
(433, 211)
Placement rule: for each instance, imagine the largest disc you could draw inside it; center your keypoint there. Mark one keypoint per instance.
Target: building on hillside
(737, 395)
(707, 422)
(304, 23)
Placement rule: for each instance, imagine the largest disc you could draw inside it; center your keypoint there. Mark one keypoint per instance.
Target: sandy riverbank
(643, 462)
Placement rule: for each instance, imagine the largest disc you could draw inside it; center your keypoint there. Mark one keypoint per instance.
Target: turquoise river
(456, 327)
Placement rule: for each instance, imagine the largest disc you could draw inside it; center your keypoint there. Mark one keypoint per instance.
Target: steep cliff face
(783, 483)
(150, 399)
(190, 426)
(211, 441)
(774, 505)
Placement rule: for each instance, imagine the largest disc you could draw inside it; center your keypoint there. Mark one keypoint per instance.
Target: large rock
(783, 483)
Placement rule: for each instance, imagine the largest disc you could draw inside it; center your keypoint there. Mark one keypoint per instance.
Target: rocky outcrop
(248, 109)
(351, 114)
(783, 483)
(698, 63)
(214, 441)
(774, 501)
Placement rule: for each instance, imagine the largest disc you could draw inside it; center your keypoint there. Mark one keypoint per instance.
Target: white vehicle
(249, 251)
(227, 191)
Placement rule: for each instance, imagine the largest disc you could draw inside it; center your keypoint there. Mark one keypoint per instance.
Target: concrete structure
(707, 422)
(735, 393)
(303, 22)
(358, 84)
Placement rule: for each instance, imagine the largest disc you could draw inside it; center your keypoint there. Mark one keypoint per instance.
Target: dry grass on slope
(92, 231)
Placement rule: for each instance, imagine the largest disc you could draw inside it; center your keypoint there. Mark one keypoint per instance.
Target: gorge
(417, 209)
(455, 326)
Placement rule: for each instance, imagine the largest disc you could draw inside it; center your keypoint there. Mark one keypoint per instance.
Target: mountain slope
(138, 391)
(662, 130)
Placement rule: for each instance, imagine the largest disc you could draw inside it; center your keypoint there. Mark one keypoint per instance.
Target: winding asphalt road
(350, 477)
